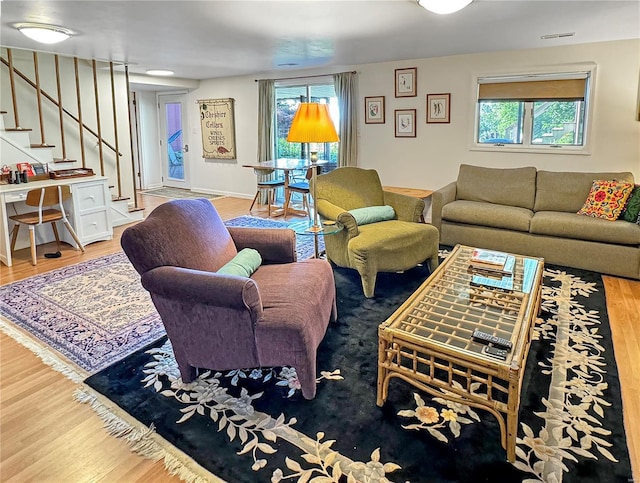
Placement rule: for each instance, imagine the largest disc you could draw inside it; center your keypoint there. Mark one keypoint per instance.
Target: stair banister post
(80, 123)
(97, 99)
(60, 111)
(12, 81)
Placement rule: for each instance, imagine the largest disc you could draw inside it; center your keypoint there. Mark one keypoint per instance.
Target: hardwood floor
(47, 436)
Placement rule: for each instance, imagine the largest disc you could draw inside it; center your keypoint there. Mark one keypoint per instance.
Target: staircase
(16, 147)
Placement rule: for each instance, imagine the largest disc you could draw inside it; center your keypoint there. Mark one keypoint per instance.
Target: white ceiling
(221, 38)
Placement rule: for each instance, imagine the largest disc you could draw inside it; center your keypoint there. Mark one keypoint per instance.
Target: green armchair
(392, 245)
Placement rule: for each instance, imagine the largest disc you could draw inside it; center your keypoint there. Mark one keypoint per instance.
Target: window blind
(540, 90)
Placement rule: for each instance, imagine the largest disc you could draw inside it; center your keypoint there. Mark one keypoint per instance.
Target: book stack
(492, 269)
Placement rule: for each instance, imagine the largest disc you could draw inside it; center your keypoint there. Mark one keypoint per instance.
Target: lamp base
(313, 156)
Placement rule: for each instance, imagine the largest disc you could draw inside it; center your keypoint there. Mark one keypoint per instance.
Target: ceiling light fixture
(46, 34)
(160, 72)
(443, 7)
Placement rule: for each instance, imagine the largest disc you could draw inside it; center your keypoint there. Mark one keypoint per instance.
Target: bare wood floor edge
(47, 436)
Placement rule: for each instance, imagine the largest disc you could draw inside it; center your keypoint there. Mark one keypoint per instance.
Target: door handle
(186, 148)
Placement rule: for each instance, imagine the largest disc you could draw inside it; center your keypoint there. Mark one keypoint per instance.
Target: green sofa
(531, 212)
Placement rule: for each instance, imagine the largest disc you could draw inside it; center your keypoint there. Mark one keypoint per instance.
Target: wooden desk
(287, 165)
(414, 192)
(88, 209)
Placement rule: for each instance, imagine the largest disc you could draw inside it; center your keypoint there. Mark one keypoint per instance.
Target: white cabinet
(91, 211)
(88, 210)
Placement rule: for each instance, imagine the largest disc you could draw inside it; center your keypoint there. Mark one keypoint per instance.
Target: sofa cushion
(566, 191)
(632, 209)
(243, 264)
(511, 187)
(488, 214)
(373, 214)
(606, 199)
(571, 225)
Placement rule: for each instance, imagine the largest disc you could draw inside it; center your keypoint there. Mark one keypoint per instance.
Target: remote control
(495, 352)
(491, 339)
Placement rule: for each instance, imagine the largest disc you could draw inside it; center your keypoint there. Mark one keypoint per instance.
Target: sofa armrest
(407, 208)
(275, 245)
(332, 212)
(439, 198)
(204, 288)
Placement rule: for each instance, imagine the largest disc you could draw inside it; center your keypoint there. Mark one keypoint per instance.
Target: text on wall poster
(218, 129)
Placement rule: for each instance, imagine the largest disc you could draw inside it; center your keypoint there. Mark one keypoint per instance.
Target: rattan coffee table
(428, 341)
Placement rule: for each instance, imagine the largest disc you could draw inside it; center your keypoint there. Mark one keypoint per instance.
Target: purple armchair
(276, 317)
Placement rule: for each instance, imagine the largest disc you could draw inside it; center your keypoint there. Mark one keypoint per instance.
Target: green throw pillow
(373, 214)
(243, 264)
(632, 209)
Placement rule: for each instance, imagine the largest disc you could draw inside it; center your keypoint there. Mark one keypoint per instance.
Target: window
(533, 111)
(288, 97)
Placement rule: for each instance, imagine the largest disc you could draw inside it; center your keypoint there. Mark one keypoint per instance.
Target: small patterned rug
(168, 192)
(93, 313)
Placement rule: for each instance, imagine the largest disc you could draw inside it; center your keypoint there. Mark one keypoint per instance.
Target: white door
(175, 166)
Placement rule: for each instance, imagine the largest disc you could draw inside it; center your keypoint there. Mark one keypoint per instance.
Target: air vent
(557, 36)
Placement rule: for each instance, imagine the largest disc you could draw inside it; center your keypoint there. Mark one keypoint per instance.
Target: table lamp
(312, 124)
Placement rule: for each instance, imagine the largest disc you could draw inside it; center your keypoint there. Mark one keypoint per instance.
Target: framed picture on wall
(405, 123)
(406, 82)
(374, 110)
(438, 108)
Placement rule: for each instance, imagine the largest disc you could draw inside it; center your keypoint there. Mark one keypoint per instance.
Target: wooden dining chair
(50, 204)
(268, 185)
(301, 187)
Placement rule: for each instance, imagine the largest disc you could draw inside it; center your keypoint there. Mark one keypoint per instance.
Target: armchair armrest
(275, 245)
(206, 288)
(441, 197)
(407, 208)
(333, 212)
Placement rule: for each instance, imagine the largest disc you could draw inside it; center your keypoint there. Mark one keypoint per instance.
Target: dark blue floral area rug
(253, 425)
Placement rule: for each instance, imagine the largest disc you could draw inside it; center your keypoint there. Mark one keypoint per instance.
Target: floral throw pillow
(632, 209)
(606, 199)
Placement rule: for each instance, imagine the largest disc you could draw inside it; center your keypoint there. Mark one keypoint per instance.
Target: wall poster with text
(218, 129)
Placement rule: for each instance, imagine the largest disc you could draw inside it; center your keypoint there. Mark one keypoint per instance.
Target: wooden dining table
(287, 165)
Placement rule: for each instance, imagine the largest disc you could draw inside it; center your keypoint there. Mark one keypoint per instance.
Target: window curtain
(345, 85)
(266, 110)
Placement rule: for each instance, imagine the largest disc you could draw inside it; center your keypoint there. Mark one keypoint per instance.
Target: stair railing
(80, 123)
(63, 145)
(14, 100)
(13, 71)
(36, 70)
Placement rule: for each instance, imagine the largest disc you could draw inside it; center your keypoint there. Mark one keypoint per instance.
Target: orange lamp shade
(312, 124)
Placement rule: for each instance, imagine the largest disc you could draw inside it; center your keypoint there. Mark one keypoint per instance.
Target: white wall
(432, 159)
(226, 177)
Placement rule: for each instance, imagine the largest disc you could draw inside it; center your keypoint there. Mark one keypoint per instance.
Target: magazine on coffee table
(491, 261)
(504, 282)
